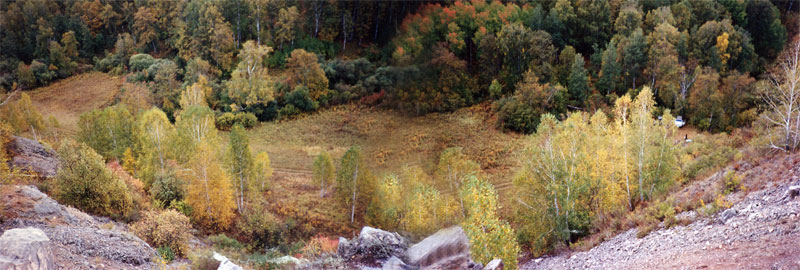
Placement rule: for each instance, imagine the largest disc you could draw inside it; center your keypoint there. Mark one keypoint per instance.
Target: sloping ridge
(77, 240)
(760, 231)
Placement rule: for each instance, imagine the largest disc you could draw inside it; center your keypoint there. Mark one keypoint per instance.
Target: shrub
(225, 121)
(708, 153)
(517, 116)
(85, 182)
(139, 62)
(166, 253)
(222, 241)
(664, 211)
(167, 188)
(495, 89)
(288, 111)
(261, 228)
(246, 119)
(135, 186)
(719, 203)
(109, 63)
(731, 182)
(165, 229)
(204, 261)
(301, 99)
(25, 76)
(181, 206)
(42, 73)
(319, 246)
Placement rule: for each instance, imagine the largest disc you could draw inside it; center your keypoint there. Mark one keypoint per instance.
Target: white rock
(27, 248)
(225, 264)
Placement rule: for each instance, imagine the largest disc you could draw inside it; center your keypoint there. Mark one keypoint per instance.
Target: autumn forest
(608, 107)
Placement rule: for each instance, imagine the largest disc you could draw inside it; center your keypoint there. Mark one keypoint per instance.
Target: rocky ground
(77, 240)
(760, 231)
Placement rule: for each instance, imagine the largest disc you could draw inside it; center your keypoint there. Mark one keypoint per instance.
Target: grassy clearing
(390, 140)
(67, 99)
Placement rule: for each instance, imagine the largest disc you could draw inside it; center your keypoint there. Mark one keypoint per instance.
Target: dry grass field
(67, 99)
(390, 140)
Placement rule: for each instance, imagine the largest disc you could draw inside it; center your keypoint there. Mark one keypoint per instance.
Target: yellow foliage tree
(153, 133)
(209, 190)
(262, 170)
(195, 94)
(23, 116)
(587, 168)
(324, 172)
(454, 168)
(490, 238)
(305, 70)
(250, 84)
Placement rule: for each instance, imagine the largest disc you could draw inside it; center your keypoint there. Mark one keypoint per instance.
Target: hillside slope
(760, 231)
(67, 99)
(77, 240)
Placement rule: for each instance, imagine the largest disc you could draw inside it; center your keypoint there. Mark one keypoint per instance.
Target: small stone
(495, 264)
(794, 191)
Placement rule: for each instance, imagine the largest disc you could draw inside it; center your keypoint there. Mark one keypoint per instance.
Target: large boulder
(288, 262)
(225, 264)
(446, 249)
(34, 157)
(372, 245)
(27, 248)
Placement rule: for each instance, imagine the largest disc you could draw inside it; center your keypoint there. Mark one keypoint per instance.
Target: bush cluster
(166, 229)
(227, 120)
(85, 182)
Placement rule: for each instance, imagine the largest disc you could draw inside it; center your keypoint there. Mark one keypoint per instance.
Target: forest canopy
(700, 58)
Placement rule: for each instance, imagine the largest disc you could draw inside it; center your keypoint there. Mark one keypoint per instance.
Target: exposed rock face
(77, 240)
(32, 156)
(372, 245)
(446, 249)
(27, 248)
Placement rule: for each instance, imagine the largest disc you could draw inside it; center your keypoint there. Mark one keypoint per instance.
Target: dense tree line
(584, 77)
(583, 55)
(700, 58)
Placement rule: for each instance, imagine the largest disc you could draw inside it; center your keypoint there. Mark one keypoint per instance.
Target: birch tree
(262, 170)
(324, 172)
(782, 98)
(353, 182)
(240, 164)
(249, 83)
(153, 131)
(209, 189)
(454, 168)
